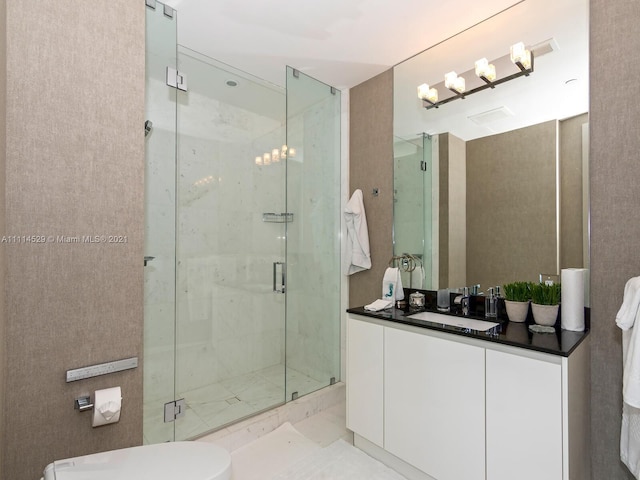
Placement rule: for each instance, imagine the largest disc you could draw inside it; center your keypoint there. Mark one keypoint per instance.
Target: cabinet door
(365, 348)
(524, 418)
(434, 405)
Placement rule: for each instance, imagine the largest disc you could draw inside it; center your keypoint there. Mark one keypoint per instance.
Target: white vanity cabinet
(365, 346)
(524, 417)
(435, 405)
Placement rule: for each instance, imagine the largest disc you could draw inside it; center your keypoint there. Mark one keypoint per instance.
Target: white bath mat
(338, 461)
(270, 454)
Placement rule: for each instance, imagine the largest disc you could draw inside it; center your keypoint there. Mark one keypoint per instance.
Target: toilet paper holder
(83, 403)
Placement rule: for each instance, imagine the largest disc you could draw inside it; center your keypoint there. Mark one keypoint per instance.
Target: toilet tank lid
(162, 461)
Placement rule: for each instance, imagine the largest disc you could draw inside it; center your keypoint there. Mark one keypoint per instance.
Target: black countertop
(562, 342)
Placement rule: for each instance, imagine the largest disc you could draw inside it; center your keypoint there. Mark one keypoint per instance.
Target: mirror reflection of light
(275, 155)
(207, 181)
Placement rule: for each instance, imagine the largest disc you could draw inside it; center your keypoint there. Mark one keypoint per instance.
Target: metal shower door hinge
(176, 79)
(174, 410)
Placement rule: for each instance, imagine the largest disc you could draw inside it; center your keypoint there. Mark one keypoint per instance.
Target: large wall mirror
(493, 188)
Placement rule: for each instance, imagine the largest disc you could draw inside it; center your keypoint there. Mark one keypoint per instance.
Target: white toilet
(162, 461)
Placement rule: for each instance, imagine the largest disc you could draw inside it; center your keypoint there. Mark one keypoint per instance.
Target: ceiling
(340, 42)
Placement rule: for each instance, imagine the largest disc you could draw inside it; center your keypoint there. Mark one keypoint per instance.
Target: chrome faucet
(465, 301)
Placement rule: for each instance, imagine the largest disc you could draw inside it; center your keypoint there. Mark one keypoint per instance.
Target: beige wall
(452, 195)
(511, 205)
(3, 150)
(615, 203)
(443, 209)
(371, 166)
(457, 213)
(571, 203)
(74, 166)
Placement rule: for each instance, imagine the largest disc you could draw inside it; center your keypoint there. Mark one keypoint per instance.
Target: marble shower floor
(216, 405)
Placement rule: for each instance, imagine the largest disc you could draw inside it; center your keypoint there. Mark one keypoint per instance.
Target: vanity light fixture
(428, 94)
(519, 56)
(485, 70)
(454, 83)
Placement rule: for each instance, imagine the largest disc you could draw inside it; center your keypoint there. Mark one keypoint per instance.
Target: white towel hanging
(392, 285)
(626, 319)
(357, 255)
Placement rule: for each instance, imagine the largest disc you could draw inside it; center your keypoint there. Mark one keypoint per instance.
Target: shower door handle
(279, 284)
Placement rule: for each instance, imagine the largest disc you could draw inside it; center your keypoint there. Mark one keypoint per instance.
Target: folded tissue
(379, 305)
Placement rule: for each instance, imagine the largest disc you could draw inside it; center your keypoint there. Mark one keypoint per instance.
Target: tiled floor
(318, 447)
(305, 439)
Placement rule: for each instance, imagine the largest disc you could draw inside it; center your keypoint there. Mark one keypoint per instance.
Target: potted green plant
(545, 301)
(516, 300)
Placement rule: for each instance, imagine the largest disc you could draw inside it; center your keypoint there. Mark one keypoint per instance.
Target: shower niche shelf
(277, 217)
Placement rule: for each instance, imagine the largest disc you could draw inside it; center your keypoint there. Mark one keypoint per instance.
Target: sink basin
(450, 320)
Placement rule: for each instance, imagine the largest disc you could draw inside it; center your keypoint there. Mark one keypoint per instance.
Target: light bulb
(459, 85)
(450, 79)
(520, 55)
(485, 69)
(423, 91)
(426, 93)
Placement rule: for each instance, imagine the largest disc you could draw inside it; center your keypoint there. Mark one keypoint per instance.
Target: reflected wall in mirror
(504, 195)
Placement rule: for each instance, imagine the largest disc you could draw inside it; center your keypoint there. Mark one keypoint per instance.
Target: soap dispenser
(491, 304)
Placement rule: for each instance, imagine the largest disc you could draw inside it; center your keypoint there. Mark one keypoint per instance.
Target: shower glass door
(313, 235)
(160, 243)
(230, 249)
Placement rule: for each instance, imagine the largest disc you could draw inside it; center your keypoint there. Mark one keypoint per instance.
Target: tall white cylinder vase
(572, 304)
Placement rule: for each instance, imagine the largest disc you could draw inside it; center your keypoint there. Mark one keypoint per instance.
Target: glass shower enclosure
(242, 250)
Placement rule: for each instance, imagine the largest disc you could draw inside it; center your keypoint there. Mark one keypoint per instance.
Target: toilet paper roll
(107, 404)
(572, 305)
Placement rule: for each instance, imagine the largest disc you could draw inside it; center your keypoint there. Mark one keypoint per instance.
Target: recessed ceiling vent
(490, 116)
(544, 48)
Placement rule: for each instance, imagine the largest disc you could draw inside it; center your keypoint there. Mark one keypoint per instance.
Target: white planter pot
(545, 314)
(517, 311)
